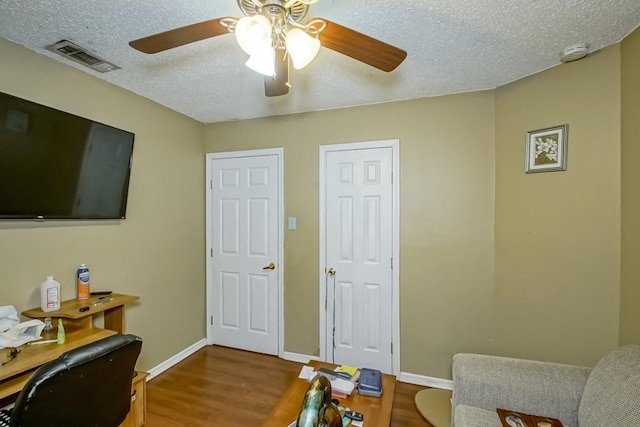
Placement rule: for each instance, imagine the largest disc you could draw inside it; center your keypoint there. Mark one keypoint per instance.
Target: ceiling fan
(273, 33)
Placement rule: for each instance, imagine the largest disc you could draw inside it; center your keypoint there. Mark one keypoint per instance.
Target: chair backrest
(611, 396)
(86, 387)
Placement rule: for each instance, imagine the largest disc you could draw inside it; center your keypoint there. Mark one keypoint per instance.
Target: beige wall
(554, 294)
(446, 211)
(630, 280)
(157, 252)
(558, 233)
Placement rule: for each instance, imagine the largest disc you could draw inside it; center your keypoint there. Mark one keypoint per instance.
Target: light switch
(292, 223)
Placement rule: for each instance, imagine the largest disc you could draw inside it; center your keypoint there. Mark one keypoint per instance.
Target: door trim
(394, 144)
(279, 153)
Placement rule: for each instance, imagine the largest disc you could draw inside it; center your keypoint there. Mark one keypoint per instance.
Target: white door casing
(359, 239)
(244, 236)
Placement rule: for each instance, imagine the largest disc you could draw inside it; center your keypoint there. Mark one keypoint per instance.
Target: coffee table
(376, 410)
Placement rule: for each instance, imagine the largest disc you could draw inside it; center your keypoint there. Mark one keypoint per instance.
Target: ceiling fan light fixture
(301, 47)
(263, 62)
(253, 33)
(278, 27)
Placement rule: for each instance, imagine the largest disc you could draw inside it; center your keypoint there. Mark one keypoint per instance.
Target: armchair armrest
(534, 387)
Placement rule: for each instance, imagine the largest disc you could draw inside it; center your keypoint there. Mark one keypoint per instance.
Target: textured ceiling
(453, 46)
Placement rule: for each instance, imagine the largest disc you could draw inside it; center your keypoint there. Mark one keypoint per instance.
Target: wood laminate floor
(219, 386)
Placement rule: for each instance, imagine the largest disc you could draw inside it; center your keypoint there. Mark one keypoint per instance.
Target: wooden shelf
(76, 319)
(71, 309)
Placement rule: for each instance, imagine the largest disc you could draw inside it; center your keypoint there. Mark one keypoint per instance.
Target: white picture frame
(546, 149)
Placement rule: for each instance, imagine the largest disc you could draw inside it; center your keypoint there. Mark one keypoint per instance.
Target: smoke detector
(575, 52)
(81, 56)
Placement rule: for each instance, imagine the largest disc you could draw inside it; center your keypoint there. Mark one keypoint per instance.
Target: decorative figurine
(317, 409)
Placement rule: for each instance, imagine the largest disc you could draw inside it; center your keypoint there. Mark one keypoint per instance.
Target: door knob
(331, 272)
(271, 266)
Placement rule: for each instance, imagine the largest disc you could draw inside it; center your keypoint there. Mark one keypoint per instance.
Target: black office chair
(86, 387)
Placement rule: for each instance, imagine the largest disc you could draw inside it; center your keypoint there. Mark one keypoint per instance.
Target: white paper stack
(13, 333)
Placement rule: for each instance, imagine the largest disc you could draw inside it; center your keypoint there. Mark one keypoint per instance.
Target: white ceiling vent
(81, 56)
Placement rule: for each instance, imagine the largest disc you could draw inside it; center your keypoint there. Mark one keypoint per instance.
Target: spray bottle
(82, 279)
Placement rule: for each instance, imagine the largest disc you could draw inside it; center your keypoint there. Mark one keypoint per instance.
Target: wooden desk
(15, 374)
(376, 410)
(79, 331)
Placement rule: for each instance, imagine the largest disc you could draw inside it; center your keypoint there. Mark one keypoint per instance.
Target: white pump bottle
(50, 295)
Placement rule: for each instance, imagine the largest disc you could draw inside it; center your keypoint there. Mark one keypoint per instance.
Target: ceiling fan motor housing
(274, 8)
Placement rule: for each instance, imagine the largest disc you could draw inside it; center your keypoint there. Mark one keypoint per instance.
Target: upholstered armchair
(606, 396)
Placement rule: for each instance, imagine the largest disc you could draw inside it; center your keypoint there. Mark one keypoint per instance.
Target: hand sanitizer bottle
(62, 337)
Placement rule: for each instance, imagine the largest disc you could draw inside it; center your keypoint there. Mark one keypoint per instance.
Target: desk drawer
(136, 416)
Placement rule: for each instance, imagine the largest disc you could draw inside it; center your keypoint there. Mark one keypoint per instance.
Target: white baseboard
(297, 357)
(158, 369)
(434, 382)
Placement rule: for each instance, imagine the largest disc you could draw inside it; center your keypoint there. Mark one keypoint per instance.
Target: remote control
(95, 293)
(356, 416)
(332, 375)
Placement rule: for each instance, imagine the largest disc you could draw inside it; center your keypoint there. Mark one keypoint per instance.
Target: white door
(244, 252)
(359, 219)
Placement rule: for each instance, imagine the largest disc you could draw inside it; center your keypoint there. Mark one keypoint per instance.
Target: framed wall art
(547, 150)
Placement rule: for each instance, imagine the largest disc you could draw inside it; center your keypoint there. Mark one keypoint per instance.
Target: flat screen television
(55, 165)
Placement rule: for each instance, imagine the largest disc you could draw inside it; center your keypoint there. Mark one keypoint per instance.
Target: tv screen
(55, 165)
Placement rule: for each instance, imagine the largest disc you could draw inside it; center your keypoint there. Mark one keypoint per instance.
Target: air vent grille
(76, 53)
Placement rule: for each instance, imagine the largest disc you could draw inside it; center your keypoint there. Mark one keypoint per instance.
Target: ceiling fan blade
(279, 84)
(361, 47)
(179, 36)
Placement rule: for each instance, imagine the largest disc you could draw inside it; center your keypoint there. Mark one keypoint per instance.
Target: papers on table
(13, 333)
(306, 373)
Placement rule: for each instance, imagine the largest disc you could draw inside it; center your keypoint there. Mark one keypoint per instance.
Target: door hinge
(392, 177)
(211, 184)
(211, 320)
(391, 348)
(392, 263)
(211, 252)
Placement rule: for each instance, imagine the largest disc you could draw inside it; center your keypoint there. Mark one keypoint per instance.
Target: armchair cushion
(612, 394)
(470, 416)
(533, 387)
